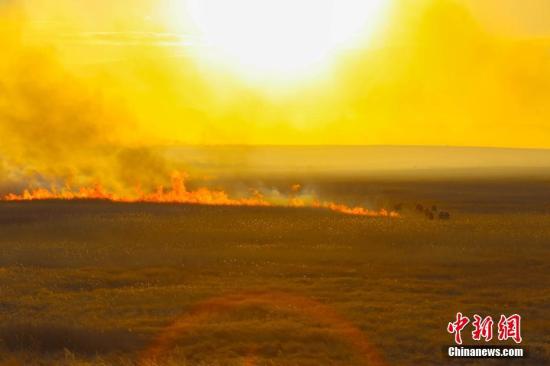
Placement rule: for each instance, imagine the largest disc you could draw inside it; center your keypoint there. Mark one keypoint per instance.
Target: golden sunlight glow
(85, 76)
(281, 38)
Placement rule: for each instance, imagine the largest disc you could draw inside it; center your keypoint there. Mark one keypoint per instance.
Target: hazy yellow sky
(423, 72)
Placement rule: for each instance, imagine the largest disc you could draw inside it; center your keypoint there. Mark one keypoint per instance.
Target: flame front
(357, 211)
(178, 193)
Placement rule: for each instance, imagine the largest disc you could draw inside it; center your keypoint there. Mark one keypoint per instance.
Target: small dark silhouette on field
(432, 212)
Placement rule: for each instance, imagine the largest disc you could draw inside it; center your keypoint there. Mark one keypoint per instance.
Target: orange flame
(296, 187)
(178, 193)
(357, 211)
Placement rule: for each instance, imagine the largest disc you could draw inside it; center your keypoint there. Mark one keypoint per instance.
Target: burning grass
(178, 193)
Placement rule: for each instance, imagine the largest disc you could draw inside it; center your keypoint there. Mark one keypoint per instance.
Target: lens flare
(299, 305)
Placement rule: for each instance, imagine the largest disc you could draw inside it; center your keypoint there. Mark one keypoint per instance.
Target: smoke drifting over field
(68, 117)
(55, 126)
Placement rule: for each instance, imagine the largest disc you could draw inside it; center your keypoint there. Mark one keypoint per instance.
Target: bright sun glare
(281, 38)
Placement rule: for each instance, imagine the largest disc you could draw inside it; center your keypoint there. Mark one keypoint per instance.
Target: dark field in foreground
(95, 283)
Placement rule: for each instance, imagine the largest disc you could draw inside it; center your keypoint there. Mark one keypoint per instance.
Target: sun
(281, 38)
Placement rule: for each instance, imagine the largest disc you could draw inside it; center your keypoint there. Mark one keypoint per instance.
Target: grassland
(96, 283)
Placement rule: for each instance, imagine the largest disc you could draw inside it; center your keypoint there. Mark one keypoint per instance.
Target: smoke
(59, 128)
(48, 119)
(440, 78)
(92, 107)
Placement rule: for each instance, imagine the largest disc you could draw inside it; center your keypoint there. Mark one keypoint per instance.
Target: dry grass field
(98, 283)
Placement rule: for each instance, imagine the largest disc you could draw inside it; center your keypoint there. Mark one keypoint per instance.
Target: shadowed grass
(95, 283)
